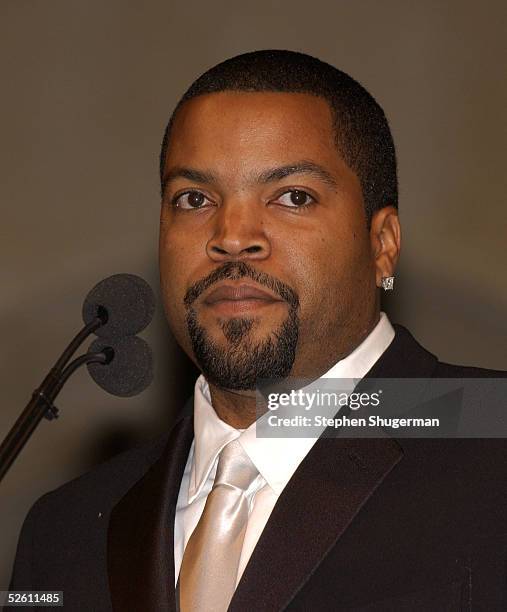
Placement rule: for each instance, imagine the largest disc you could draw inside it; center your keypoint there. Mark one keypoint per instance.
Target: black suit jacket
(364, 524)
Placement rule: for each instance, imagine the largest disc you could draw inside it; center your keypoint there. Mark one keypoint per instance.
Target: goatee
(242, 362)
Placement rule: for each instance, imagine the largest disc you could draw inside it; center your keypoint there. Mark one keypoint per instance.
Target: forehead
(235, 130)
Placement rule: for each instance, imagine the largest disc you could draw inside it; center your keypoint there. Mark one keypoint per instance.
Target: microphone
(115, 310)
(124, 302)
(129, 370)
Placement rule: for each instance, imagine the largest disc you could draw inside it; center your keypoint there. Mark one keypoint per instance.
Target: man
(279, 227)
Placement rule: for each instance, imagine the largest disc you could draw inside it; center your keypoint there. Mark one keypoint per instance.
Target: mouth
(229, 298)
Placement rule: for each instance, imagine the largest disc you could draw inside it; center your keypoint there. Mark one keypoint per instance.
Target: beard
(242, 362)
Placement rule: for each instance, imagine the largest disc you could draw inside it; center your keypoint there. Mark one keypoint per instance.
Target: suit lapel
(326, 492)
(141, 531)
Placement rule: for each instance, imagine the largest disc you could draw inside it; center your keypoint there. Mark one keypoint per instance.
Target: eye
(295, 198)
(189, 200)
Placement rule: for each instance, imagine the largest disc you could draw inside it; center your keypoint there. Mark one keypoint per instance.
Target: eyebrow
(196, 176)
(301, 167)
(266, 176)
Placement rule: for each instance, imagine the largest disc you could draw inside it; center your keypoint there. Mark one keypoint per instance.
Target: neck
(236, 408)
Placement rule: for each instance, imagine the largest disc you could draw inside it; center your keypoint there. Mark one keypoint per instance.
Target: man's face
(265, 259)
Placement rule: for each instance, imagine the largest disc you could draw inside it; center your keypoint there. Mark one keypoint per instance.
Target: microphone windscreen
(128, 301)
(129, 372)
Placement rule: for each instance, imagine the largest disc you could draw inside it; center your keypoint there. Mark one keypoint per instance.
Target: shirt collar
(276, 458)
(211, 434)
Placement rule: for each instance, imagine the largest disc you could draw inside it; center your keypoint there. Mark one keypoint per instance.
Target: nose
(238, 233)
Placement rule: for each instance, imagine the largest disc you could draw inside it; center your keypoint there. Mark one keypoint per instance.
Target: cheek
(331, 272)
(177, 250)
(172, 263)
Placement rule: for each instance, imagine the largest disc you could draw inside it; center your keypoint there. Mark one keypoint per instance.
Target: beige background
(87, 87)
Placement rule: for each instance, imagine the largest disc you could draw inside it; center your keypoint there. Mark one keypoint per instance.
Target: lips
(237, 293)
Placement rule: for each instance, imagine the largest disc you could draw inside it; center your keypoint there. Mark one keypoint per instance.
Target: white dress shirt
(276, 458)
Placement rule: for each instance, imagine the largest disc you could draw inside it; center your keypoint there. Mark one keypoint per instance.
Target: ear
(385, 240)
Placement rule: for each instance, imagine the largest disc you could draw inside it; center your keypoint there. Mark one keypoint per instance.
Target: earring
(387, 283)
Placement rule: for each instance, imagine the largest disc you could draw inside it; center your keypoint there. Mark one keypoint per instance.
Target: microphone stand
(41, 404)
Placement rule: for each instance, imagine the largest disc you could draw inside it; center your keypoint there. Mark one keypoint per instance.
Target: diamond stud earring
(387, 283)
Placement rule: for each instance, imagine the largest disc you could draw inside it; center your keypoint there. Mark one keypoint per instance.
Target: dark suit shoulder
(78, 512)
(406, 358)
(112, 478)
(449, 370)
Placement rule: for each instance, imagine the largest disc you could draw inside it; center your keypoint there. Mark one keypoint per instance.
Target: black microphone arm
(41, 404)
(116, 309)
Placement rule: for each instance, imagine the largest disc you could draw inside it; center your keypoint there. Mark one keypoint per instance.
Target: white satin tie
(210, 563)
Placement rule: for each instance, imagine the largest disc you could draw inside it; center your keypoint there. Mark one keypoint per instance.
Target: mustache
(236, 270)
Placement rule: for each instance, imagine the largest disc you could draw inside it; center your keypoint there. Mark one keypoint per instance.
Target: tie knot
(235, 467)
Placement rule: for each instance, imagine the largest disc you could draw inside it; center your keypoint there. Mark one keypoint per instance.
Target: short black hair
(363, 137)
